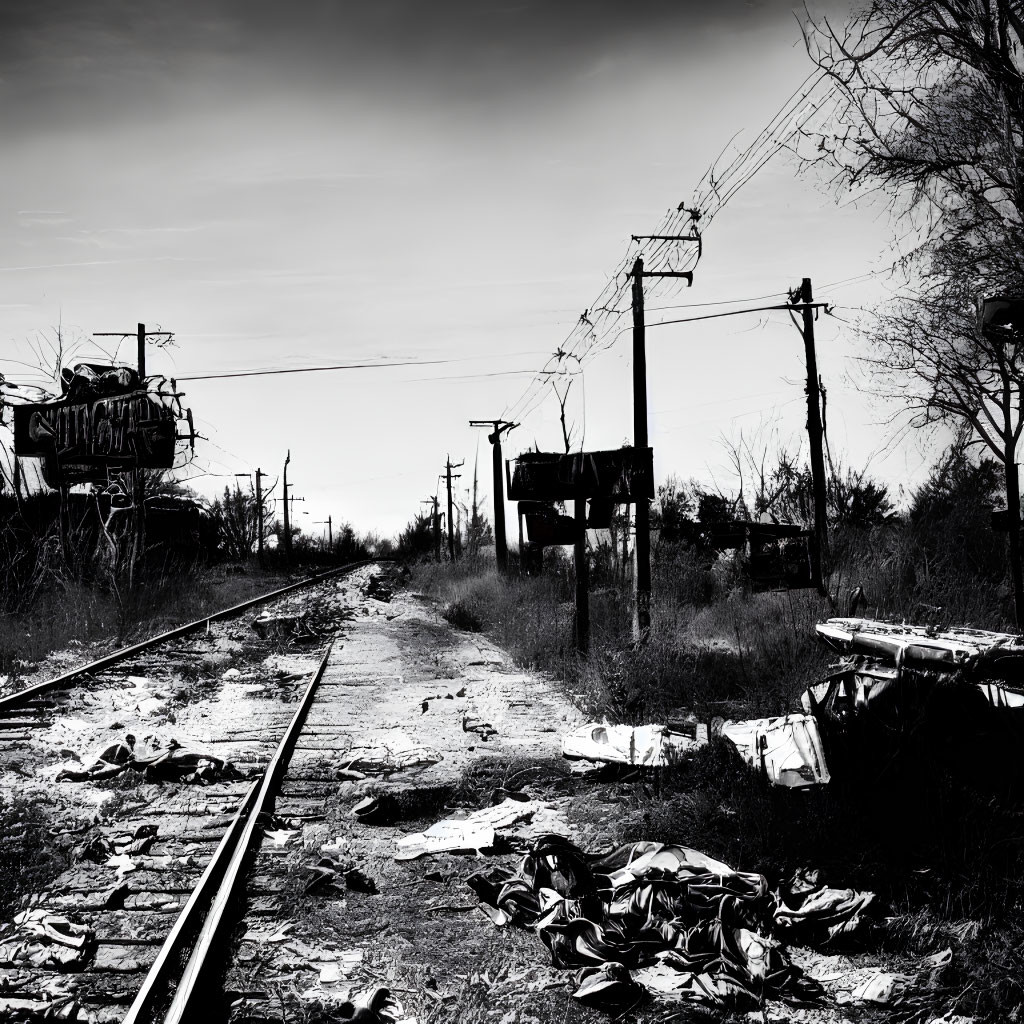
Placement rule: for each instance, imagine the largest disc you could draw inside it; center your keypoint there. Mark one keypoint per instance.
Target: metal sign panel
(621, 474)
(137, 428)
(1003, 315)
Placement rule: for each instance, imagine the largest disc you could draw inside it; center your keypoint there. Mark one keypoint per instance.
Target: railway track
(190, 733)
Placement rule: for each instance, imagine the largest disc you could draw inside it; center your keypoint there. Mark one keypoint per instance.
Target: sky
(445, 184)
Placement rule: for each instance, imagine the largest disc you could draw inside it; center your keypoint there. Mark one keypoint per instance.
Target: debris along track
(114, 796)
(37, 690)
(201, 927)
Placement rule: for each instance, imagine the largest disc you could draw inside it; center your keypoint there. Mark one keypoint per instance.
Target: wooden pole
(451, 517)
(500, 540)
(819, 549)
(642, 545)
(287, 522)
(582, 630)
(437, 530)
(142, 354)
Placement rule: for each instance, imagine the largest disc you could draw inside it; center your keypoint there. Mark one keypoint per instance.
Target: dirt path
(403, 686)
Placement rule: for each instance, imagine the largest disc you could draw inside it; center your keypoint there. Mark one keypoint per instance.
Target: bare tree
(929, 110)
(562, 399)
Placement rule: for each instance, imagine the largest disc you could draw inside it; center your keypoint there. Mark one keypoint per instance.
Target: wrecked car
(945, 699)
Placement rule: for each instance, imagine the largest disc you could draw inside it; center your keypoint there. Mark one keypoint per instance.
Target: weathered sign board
(1002, 315)
(81, 440)
(621, 474)
(138, 428)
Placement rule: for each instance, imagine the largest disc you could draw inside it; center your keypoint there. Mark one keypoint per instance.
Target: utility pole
(287, 523)
(437, 529)
(642, 545)
(139, 488)
(435, 523)
(451, 519)
(330, 536)
(819, 549)
(582, 618)
(141, 335)
(500, 540)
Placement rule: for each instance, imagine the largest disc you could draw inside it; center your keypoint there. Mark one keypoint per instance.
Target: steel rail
(17, 699)
(203, 917)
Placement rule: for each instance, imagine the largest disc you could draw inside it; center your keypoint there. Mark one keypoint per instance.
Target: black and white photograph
(510, 512)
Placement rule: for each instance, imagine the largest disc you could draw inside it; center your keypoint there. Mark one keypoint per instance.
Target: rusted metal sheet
(1002, 315)
(620, 474)
(551, 528)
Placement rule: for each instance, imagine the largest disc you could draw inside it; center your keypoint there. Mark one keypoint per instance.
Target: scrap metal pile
(896, 689)
(913, 695)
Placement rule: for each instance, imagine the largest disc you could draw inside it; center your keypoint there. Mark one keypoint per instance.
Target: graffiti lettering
(138, 426)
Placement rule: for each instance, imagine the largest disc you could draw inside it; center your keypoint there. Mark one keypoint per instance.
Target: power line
(317, 369)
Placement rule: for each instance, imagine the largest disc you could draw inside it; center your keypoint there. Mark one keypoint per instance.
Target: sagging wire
(614, 300)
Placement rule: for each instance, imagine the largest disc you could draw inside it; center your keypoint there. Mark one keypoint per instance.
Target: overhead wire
(713, 191)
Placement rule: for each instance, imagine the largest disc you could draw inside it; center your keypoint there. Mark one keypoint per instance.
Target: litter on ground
(788, 750)
(653, 746)
(466, 830)
(663, 918)
(169, 762)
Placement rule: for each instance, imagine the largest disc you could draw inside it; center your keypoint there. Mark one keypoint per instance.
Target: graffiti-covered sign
(621, 474)
(137, 428)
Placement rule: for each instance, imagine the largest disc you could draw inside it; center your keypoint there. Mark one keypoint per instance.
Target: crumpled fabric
(172, 763)
(38, 938)
(823, 915)
(65, 1009)
(681, 924)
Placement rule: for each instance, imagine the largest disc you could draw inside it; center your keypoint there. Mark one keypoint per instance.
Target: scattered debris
(100, 848)
(466, 830)
(652, 746)
(375, 810)
(397, 752)
(817, 913)
(874, 986)
(678, 923)
(168, 763)
(39, 938)
(903, 695)
(470, 723)
(379, 588)
(788, 750)
(277, 627)
(328, 870)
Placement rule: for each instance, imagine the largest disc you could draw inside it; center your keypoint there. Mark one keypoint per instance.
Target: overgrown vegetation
(56, 592)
